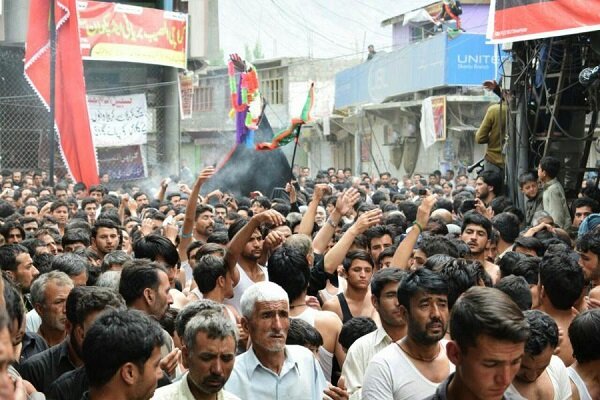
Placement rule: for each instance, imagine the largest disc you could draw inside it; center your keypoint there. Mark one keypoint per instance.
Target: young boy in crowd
(533, 197)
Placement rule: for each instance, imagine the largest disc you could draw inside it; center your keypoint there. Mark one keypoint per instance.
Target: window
(203, 99)
(271, 83)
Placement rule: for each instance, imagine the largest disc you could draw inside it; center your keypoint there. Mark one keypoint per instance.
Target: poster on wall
(438, 107)
(122, 163)
(186, 94)
(433, 120)
(118, 120)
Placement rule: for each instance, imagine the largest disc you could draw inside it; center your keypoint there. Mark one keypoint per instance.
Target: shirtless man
(245, 250)
(560, 286)
(358, 266)
(355, 301)
(542, 374)
(584, 334)
(476, 231)
(289, 268)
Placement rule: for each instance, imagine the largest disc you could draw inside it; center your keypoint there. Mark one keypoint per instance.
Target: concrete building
(284, 83)
(23, 143)
(378, 103)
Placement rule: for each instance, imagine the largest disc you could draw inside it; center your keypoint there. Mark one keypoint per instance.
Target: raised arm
(160, 196)
(308, 219)
(238, 242)
(343, 204)
(335, 256)
(404, 250)
(190, 212)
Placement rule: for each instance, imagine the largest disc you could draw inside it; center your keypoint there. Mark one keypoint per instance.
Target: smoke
(248, 170)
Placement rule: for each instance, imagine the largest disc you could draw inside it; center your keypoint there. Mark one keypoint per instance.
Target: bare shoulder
(332, 305)
(329, 319)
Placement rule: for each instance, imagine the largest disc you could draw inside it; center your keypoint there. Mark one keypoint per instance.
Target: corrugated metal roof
(405, 6)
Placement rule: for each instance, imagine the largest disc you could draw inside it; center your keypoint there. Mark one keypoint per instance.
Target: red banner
(119, 32)
(72, 122)
(517, 20)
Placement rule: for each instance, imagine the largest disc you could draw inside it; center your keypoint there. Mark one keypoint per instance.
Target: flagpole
(298, 129)
(51, 137)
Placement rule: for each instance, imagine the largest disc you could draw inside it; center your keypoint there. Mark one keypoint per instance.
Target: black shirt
(42, 369)
(69, 386)
(32, 345)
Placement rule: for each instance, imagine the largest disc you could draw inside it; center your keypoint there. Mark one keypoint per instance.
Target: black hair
(9, 254)
(207, 270)
(167, 322)
(106, 223)
(9, 226)
(383, 277)
(517, 288)
(508, 261)
(409, 209)
(585, 202)
(507, 225)
(301, 333)
(530, 243)
(589, 241)
(376, 232)
(474, 218)
(288, 267)
(432, 245)
(263, 201)
(218, 237)
(486, 311)
(527, 177)
(492, 178)
(550, 165)
(387, 252)
(14, 302)
(562, 279)
(136, 276)
(119, 337)
(437, 261)
(528, 268)
(421, 280)
(356, 255)
(354, 329)
(584, 334)
(153, 246)
(88, 200)
(460, 275)
(543, 332)
(235, 227)
(84, 300)
(499, 204)
(76, 235)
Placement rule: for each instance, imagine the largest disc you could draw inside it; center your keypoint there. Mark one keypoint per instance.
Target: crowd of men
(341, 287)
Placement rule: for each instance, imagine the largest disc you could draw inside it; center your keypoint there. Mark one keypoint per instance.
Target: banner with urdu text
(118, 120)
(517, 20)
(119, 32)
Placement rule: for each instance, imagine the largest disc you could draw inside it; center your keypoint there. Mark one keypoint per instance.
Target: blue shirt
(301, 377)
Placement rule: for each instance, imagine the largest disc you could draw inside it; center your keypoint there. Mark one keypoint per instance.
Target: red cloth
(72, 121)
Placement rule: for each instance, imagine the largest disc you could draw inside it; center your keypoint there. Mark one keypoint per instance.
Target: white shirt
(33, 321)
(244, 283)
(559, 376)
(301, 377)
(392, 375)
(358, 357)
(180, 390)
